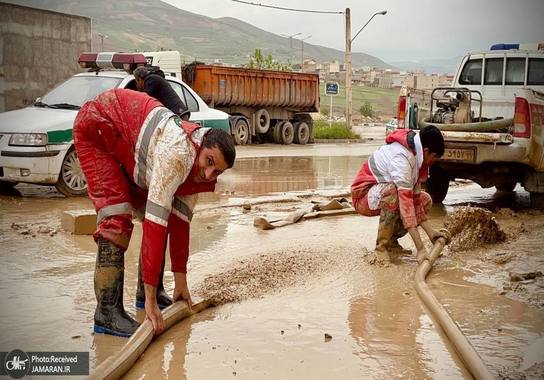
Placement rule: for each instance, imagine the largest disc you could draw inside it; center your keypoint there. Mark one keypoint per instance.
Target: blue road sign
(331, 88)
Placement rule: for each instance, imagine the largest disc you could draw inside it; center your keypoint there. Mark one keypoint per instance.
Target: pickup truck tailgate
(478, 137)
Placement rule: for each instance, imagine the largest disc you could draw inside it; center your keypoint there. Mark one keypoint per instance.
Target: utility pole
(302, 52)
(347, 67)
(349, 40)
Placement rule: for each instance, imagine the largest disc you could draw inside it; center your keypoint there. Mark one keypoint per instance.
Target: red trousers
(109, 186)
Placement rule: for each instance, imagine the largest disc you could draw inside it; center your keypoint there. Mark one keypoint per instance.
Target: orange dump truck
(263, 105)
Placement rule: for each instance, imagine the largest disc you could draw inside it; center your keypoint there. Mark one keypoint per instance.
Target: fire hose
(119, 364)
(462, 345)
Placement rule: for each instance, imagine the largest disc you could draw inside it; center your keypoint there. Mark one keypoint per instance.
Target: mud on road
(296, 302)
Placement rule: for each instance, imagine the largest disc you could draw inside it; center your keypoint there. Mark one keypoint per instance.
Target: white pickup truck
(492, 119)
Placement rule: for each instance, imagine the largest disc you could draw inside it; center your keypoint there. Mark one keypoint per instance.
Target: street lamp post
(347, 63)
(291, 38)
(102, 36)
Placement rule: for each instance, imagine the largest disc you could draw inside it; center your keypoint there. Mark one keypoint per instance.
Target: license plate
(460, 154)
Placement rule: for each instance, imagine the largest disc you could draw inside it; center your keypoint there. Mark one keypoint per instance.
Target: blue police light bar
(505, 47)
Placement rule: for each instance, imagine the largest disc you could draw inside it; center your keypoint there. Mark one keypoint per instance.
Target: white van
(167, 61)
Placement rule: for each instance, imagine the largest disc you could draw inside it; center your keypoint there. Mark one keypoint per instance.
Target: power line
(287, 9)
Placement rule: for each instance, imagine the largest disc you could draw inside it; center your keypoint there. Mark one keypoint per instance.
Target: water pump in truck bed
(453, 105)
(454, 108)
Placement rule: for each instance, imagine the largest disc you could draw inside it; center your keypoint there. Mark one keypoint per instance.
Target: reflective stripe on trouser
(107, 183)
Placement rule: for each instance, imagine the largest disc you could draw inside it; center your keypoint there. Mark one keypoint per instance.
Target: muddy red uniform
(392, 178)
(135, 152)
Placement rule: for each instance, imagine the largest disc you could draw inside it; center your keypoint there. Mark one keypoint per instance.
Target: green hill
(152, 25)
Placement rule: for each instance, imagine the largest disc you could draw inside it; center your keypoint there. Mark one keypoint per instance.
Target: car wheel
(241, 132)
(438, 183)
(302, 133)
(71, 179)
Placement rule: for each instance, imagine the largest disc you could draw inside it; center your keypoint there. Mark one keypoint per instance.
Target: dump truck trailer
(264, 105)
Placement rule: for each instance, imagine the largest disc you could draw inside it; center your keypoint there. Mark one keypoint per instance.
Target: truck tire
(437, 184)
(241, 131)
(287, 133)
(262, 121)
(71, 178)
(506, 187)
(302, 133)
(537, 200)
(276, 133)
(7, 185)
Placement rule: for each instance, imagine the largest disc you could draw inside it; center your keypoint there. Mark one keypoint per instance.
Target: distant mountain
(430, 66)
(152, 25)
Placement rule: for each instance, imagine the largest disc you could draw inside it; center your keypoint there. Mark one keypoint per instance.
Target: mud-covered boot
(394, 246)
(163, 299)
(110, 316)
(386, 228)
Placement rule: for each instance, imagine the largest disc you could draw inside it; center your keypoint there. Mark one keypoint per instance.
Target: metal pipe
(466, 351)
(118, 365)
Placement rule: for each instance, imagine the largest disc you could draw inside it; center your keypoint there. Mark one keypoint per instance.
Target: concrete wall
(38, 50)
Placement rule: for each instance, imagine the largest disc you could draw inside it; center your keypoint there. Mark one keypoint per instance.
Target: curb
(341, 141)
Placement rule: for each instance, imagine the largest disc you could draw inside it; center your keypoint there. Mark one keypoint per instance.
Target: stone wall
(38, 50)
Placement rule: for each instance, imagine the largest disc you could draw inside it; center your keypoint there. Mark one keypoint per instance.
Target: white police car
(36, 144)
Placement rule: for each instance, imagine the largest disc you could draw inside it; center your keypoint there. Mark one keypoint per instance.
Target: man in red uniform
(389, 185)
(136, 153)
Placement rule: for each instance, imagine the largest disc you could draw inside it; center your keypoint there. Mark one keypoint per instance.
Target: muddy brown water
(317, 282)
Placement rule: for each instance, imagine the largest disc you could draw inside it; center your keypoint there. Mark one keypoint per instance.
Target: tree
(366, 109)
(258, 61)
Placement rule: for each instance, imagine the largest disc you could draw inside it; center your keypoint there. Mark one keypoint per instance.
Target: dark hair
(224, 141)
(141, 72)
(432, 139)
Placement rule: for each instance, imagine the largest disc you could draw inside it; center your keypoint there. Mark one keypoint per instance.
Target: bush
(366, 109)
(335, 131)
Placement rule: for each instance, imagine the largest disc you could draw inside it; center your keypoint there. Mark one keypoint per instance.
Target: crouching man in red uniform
(135, 154)
(389, 185)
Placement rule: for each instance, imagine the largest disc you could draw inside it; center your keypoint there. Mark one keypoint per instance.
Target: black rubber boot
(163, 299)
(110, 316)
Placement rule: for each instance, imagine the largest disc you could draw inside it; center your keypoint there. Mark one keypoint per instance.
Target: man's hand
(181, 290)
(152, 311)
(438, 234)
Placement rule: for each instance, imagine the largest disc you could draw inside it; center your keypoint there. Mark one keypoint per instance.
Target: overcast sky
(411, 30)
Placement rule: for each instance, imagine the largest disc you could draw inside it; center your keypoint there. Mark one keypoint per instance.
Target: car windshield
(77, 90)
